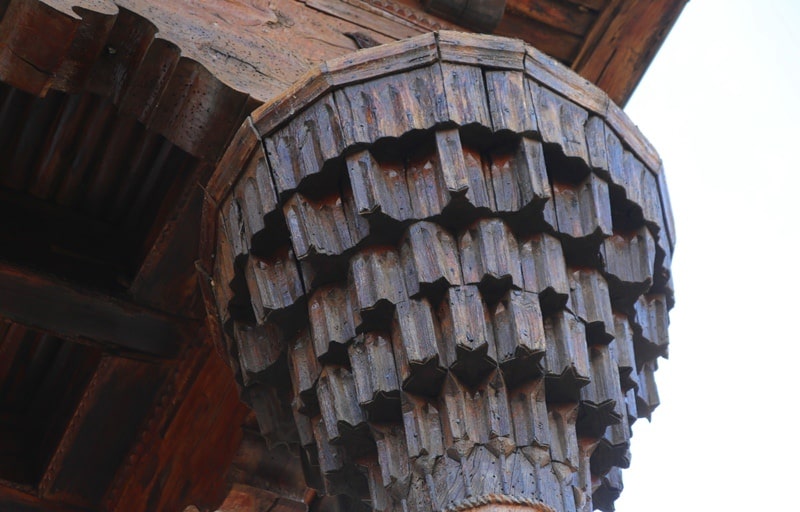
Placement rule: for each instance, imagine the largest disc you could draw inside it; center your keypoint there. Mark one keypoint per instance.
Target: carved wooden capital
(442, 267)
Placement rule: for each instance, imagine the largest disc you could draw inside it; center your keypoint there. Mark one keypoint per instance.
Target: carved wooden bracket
(442, 271)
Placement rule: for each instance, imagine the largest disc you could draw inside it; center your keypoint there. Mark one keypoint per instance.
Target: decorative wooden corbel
(442, 260)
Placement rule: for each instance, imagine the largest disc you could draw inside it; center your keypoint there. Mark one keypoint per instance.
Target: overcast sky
(721, 103)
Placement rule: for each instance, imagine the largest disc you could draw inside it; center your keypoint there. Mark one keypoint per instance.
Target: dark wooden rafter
(491, 264)
(121, 392)
(25, 500)
(56, 306)
(194, 424)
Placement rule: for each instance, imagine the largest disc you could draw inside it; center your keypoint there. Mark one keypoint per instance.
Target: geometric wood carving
(466, 318)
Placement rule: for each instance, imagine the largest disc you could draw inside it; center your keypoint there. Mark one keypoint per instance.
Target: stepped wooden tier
(327, 255)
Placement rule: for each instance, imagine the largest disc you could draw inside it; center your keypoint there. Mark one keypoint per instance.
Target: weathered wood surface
(121, 390)
(482, 16)
(190, 425)
(191, 72)
(56, 306)
(645, 22)
(487, 309)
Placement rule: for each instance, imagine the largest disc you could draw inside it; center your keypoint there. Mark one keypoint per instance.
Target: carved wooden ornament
(447, 256)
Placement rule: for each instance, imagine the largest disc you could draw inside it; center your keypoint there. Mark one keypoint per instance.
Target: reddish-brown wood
(53, 305)
(474, 264)
(113, 116)
(196, 425)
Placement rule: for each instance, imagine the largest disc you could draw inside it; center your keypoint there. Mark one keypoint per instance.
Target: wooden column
(441, 267)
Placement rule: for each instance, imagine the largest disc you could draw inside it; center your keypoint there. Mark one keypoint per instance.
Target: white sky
(721, 103)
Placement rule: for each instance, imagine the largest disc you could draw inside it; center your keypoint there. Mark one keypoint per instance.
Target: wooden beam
(62, 308)
(21, 501)
(621, 46)
(101, 431)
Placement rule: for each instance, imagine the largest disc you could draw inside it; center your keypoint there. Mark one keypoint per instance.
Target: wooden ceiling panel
(42, 379)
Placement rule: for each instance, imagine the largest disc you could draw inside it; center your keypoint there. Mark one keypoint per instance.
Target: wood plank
(557, 43)
(378, 187)
(391, 106)
(178, 458)
(519, 335)
(299, 149)
(377, 284)
(590, 301)
(633, 137)
(509, 105)
(466, 94)
(519, 178)
(375, 376)
(305, 370)
(463, 169)
(566, 359)
(621, 55)
(583, 211)
(121, 393)
(529, 414)
(60, 307)
(241, 148)
(666, 209)
(274, 283)
(319, 227)
(383, 23)
(489, 254)
(18, 500)
(357, 66)
(559, 14)
(418, 352)
(547, 71)
(485, 51)
(561, 122)
(468, 344)
(338, 402)
(332, 321)
(544, 270)
(430, 259)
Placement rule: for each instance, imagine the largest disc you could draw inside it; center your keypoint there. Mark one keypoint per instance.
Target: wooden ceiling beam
(16, 499)
(623, 42)
(62, 308)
